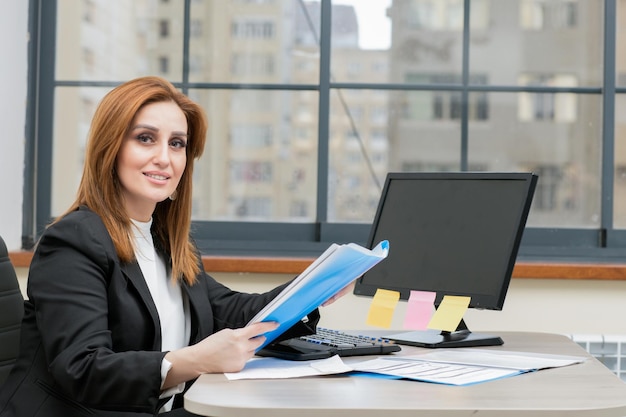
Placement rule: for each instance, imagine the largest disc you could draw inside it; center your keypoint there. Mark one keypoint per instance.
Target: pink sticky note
(420, 309)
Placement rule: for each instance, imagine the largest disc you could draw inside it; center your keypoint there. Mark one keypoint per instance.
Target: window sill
(274, 265)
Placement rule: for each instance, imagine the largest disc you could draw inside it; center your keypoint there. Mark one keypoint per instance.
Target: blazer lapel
(136, 278)
(196, 301)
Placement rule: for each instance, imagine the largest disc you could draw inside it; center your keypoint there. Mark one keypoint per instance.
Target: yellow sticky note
(382, 308)
(449, 313)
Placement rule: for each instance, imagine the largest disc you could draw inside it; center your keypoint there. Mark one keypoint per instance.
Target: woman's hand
(345, 290)
(228, 350)
(225, 351)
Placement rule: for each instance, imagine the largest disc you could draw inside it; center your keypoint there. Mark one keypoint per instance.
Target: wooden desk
(587, 389)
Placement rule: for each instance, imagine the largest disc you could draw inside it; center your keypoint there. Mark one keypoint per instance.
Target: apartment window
(298, 209)
(252, 207)
(251, 102)
(251, 136)
(164, 65)
(89, 59)
(379, 114)
(252, 29)
(444, 14)
(253, 64)
(549, 106)
(89, 11)
(354, 69)
(546, 192)
(250, 172)
(444, 105)
(195, 28)
(164, 28)
(549, 14)
(195, 64)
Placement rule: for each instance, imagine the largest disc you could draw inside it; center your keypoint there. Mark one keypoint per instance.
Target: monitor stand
(461, 337)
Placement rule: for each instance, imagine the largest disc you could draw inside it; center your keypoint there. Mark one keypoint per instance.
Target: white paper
(464, 366)
(272, 368)
(436, 372)
(522, 361)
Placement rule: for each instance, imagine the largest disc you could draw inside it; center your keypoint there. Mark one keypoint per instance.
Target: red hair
(99, 188)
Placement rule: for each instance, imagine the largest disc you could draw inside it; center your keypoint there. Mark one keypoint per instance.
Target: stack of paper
(443, 366)
(464, 366)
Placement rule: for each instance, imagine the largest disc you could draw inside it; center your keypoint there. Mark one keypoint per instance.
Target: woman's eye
(178, 143)
(144, 138)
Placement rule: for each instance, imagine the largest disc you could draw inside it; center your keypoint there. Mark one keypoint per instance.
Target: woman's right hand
(228, 350)
(225, 351)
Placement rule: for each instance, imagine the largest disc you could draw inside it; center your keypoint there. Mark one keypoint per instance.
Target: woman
(120, 315)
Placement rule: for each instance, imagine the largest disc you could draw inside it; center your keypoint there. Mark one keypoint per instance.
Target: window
(251, 136)
(89, 60)
(298, 209)
(195, 28)
(546, 192)
(250, 172)
(164, 28)
(253, 64)
(252, 29)
(252, 207)
(164, 65)
(444, 14)
(89, 11)
(549, 14)
(547, 105)
(444, 105)
(301, 137)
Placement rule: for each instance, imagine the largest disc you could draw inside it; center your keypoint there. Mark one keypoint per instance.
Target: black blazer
(91, 337)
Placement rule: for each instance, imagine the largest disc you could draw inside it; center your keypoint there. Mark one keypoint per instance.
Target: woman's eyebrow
(144, 126)
(156, 129)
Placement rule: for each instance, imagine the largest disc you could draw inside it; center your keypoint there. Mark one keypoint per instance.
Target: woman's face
(152, 158)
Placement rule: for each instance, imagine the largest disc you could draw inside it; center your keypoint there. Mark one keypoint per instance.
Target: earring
(174, 195)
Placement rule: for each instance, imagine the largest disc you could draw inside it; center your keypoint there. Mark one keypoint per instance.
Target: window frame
(603, 244)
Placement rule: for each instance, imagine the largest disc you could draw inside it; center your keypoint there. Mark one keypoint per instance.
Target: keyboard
(326, 343)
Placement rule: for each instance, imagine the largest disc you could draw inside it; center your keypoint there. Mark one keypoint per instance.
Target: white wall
(13, 78)
(559, 306)
(535, 305)
(545, 305)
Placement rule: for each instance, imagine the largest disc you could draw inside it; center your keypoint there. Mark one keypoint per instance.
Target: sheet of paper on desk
(436, 372)
(273, 368)
(464, 366)
(522, 361)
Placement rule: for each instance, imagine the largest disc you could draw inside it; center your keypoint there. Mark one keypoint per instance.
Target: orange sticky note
(382, 308)
(449, 313)
(419, 310)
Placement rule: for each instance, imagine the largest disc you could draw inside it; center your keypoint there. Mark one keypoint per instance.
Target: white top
(172, 306)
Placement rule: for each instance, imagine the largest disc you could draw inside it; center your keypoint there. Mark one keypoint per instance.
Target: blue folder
(336, 268)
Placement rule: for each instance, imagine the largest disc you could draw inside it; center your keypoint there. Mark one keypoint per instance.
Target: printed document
(463, 366)
(444, 366)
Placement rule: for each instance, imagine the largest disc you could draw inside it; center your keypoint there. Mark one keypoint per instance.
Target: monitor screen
(450, 233)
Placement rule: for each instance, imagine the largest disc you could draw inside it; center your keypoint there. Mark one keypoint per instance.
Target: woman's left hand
(345, 290)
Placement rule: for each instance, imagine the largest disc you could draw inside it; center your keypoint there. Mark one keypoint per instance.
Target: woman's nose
(162, 155)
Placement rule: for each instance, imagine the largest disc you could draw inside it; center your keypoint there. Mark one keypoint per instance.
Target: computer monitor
(452, 234)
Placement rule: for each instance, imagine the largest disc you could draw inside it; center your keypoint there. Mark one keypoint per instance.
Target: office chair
(11, 312)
